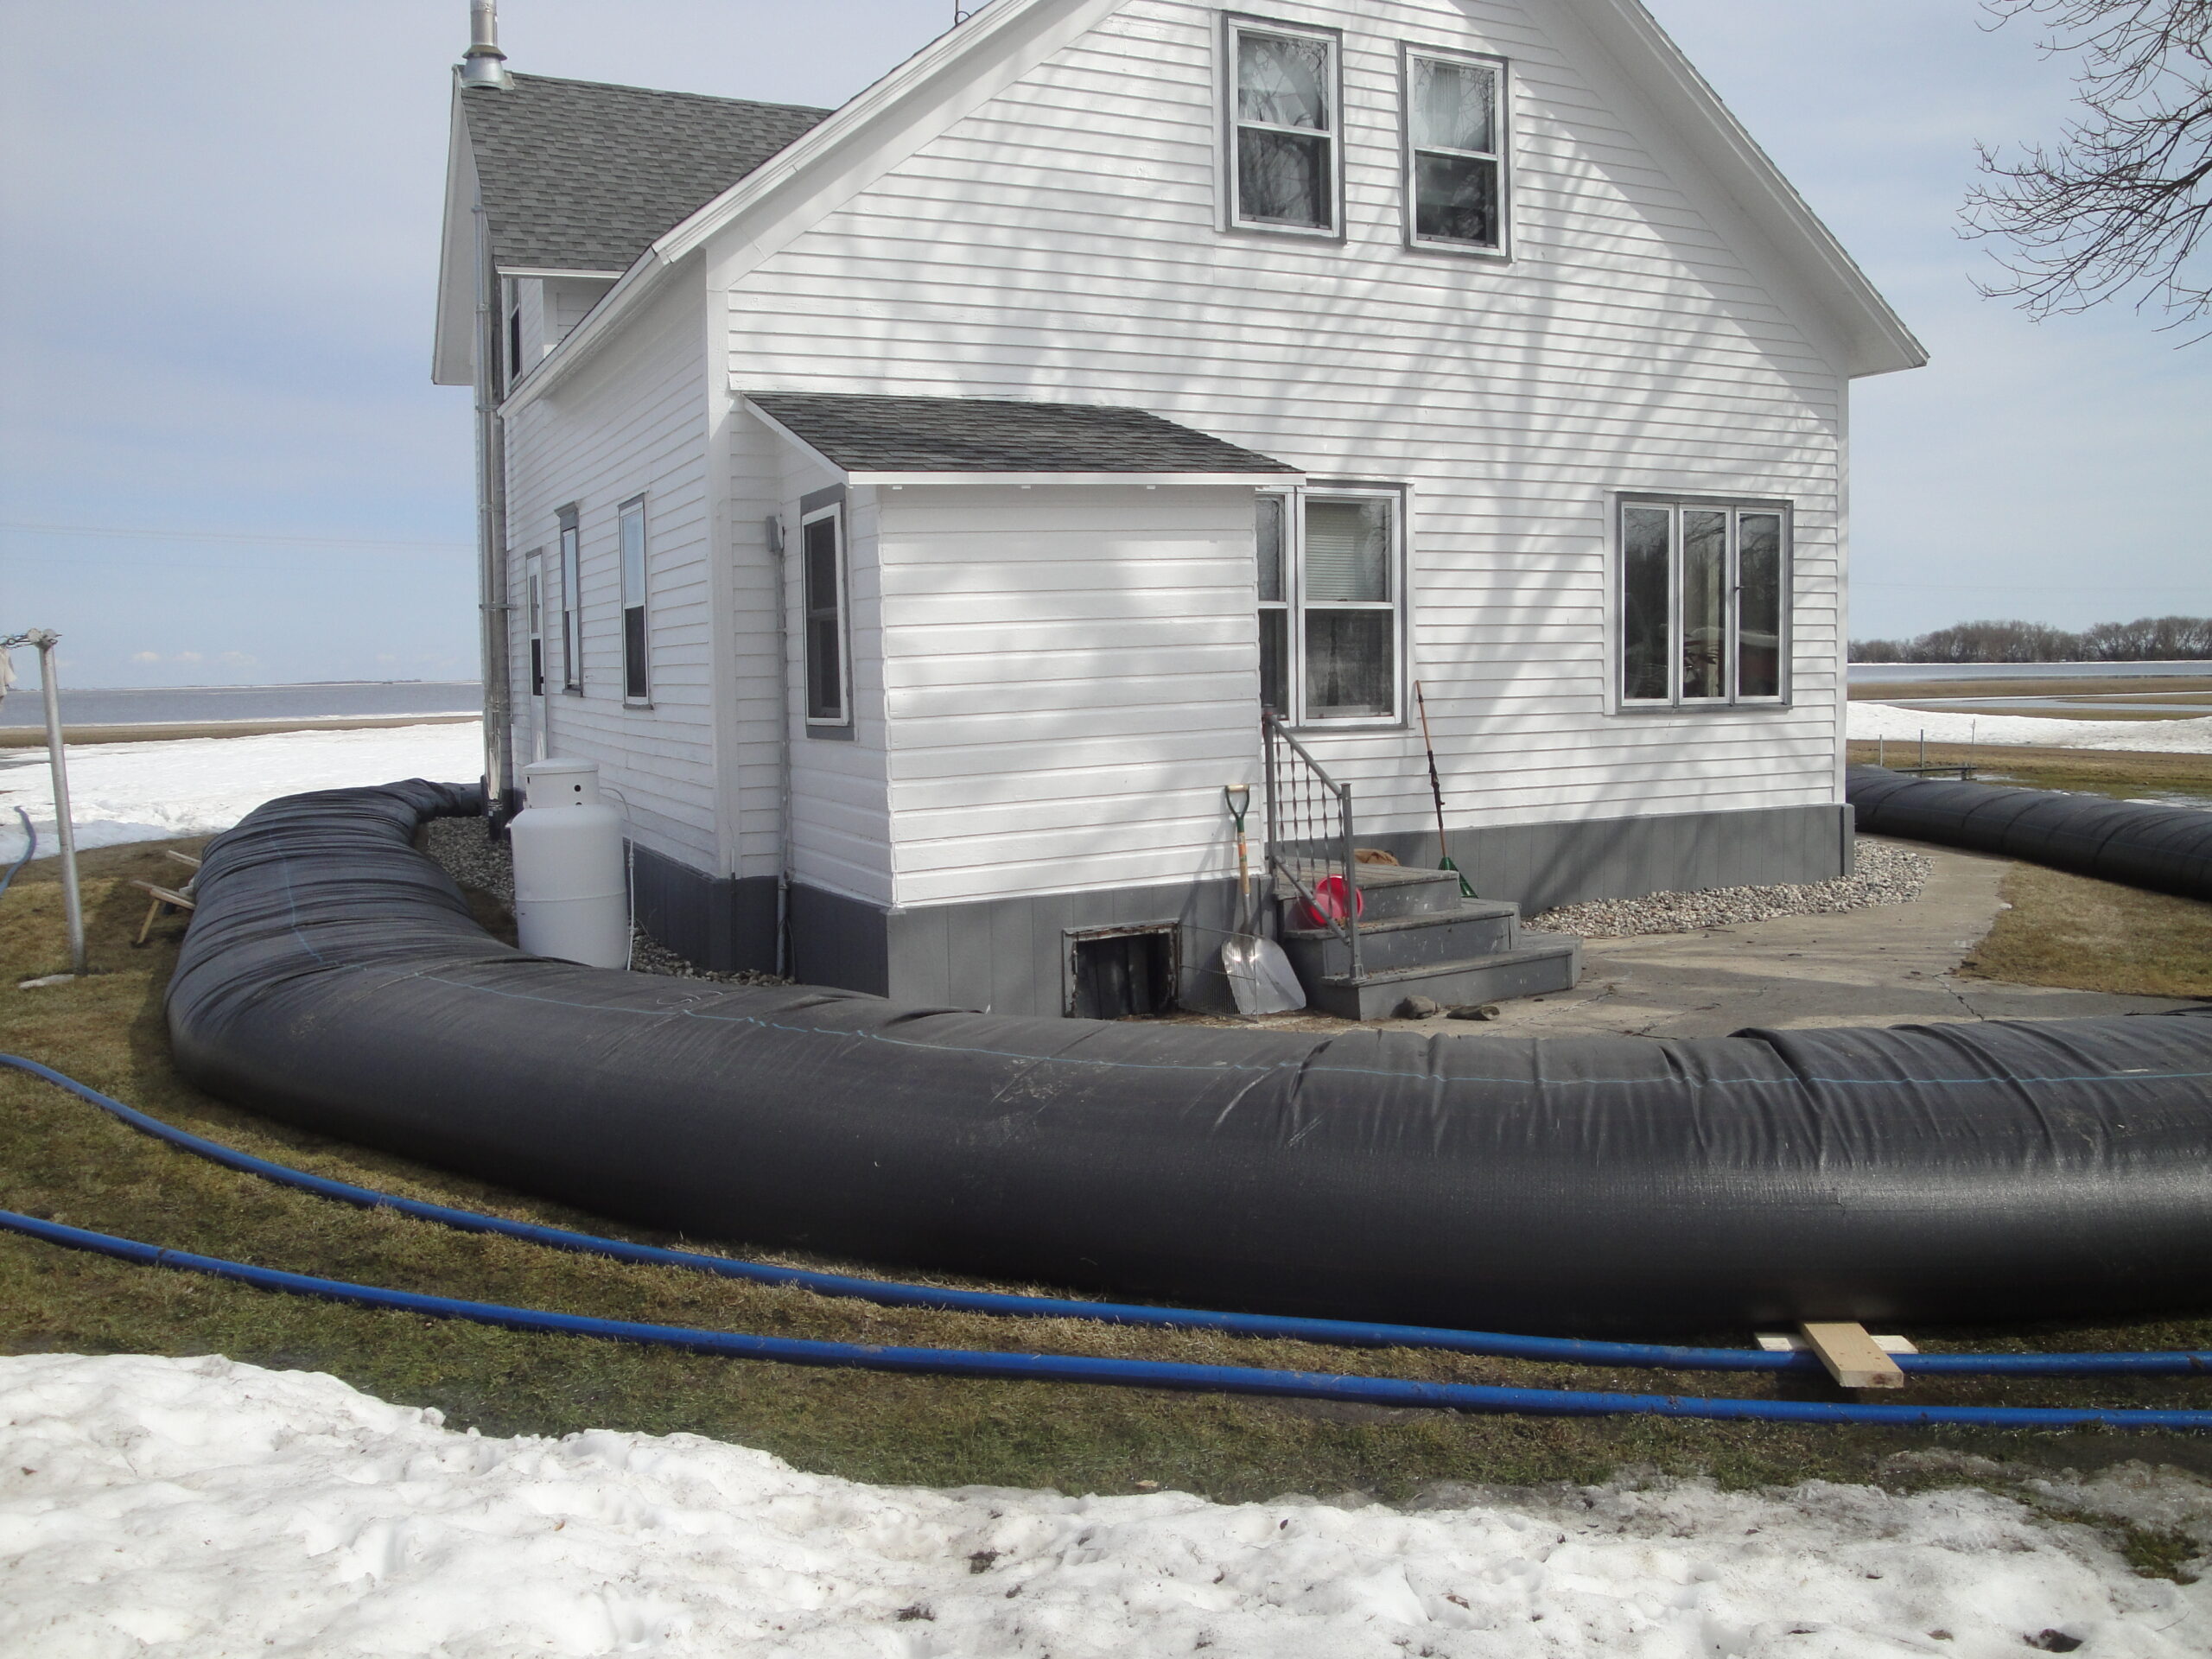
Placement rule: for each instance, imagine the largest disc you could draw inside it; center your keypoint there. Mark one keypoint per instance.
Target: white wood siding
(1062, 244)
(1070, 677)
(633, 423)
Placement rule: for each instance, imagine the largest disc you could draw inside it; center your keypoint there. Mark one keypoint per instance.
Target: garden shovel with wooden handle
(1260, 976)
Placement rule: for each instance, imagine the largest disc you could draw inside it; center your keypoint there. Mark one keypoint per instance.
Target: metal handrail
(1296, 785)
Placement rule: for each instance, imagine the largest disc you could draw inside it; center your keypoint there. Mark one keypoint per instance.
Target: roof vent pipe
(483, 64)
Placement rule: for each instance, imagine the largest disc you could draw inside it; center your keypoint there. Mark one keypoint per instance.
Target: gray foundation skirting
(1013, 955)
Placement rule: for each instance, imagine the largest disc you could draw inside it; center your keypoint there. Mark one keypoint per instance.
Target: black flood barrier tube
(2165, 849)
(888, 1292)
(1082, 1367)
(1985, 1173)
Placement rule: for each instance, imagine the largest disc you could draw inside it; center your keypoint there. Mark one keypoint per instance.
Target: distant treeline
(2147, 639)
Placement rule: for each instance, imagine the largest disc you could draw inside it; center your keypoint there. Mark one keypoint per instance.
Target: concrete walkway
(1889, 965)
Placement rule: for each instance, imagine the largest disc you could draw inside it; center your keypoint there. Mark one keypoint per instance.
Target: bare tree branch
(2123, 200)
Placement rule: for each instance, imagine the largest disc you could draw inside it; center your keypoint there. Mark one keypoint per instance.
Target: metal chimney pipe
(483, 64)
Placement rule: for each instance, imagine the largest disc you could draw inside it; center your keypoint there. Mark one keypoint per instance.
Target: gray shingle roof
(579, 175)
(989, 435)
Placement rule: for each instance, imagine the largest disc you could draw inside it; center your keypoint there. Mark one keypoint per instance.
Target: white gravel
(1887, 874)
(189, 1508)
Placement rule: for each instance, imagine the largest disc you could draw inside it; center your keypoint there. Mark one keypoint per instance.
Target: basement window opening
(1121, 973)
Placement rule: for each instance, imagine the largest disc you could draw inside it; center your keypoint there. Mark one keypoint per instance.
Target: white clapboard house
(912, 506)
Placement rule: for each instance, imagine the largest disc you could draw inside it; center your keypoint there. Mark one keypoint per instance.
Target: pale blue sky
(218, 237)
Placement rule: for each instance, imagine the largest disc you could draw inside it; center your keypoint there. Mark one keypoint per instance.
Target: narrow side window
(534, 619)
(1274, 606)
(822, 580)
(1645, 562)
(1759, 588)
(637, 683)
(1284, 168)
(1455, 151)
(572, 644)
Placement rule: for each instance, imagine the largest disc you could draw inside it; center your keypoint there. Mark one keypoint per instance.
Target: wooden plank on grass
(1854, 1359)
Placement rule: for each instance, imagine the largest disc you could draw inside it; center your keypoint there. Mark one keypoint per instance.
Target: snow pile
(193, 1507)
(1868, 721)
(196, 785)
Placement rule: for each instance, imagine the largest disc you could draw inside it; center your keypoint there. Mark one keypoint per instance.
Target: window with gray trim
(572, 642)
(1456, 139)
(1285, 168)
(1331, 592)
(822, 585)
(636, 681)
(1704, 612)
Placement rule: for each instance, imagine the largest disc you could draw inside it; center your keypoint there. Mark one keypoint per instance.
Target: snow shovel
(1436, 789)
(1260, 976)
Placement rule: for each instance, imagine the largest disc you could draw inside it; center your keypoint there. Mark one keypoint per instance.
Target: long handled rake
(1436, 789)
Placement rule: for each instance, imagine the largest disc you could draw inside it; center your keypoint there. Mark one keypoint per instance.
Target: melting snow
(197, 785)
(195, 1507)
(1868, 720)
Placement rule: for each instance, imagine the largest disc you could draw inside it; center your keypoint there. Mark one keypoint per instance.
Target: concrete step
(1478, 927)
(1543, 963)
(1390, 890)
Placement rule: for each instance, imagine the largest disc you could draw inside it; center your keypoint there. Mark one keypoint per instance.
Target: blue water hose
(1122, 1373)
(890, 1293)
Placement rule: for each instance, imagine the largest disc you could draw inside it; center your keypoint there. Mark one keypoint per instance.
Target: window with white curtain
(1285, 166)
(1332, 582)
(1704, 613)
(1456, 150)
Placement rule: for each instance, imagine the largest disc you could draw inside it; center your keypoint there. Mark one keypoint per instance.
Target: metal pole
(1351, 883)
(72, 904)
(494, 636)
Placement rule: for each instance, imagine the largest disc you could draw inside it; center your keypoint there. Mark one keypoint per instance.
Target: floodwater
(1925, 673)
(201, 704)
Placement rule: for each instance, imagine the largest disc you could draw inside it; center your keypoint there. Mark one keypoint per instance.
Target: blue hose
(1124, 1373)
(30, 851)
(889, 1294)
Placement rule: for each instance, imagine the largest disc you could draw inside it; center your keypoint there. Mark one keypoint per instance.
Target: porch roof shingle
(866, 434)
(582, 175)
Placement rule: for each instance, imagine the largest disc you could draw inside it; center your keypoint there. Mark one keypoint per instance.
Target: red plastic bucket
(1327, 904)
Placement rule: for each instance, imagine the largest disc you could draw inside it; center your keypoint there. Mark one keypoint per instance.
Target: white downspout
(491, 537)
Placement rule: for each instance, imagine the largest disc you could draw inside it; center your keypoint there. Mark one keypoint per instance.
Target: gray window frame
(814, 510)
(1616, 601)
(641, 602)
(1502, 69)
(1400, 604)
(1234, 24)
(572, 612)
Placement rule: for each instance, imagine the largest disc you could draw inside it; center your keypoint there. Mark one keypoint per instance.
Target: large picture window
(636, 680)
(1456, 148)
(1704, 616)
(822, 583)
(572, 642)
(1332, 581)
(1285, 168)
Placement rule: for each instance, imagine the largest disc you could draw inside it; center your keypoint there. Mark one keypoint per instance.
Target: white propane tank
(571, 900)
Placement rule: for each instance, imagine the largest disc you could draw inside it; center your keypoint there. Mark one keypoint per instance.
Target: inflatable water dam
(331, 978)
(2165, 849)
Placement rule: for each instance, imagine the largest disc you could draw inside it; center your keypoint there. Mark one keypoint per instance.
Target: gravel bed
(1886, 875)
(463, 848)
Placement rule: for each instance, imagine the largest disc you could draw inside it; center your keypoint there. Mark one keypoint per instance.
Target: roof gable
(578, 176)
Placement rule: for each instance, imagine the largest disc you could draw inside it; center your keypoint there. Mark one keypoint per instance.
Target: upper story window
(825, 614)
(1704, 619)
(1332, 582)
(1456, 173)
(1286, 166)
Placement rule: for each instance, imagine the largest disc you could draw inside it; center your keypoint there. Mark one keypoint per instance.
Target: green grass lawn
(62, 1158)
